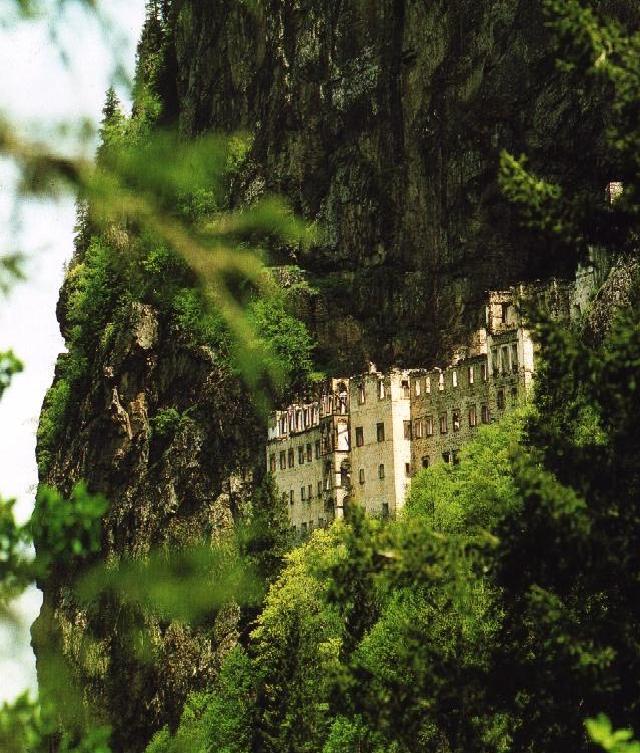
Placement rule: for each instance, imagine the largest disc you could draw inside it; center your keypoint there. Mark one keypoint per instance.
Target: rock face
(382, 121)
(173, 489)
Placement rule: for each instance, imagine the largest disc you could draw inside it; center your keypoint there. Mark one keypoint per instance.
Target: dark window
(317, 449)
(455, 420)
(301, 455)
(385, 509)
(381, 470)
(309, 453)
(303, 494)
(291, 457)
(407, 429)
(304, 528)
(485, 414)
(380, 432)
(446, 456)
(361, 475)
(310, 492)
(417, 428)
(284, 498)
(444, 428)
(283, 460)
(473, 416)
(500, 399)
(359, 436)
(456, 457)
(406, 392)
(272, 463)
(407, 469)
(291, 497)
(319, 488)
(426, 461)
(514, 394)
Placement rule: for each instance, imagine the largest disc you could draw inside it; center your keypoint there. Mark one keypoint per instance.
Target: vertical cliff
(382, 121)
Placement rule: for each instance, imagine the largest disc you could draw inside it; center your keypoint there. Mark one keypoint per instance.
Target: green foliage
(610, 740)
(165, 423)
(15, 563)
(54, 411)
(477, 492)
(67, 532)
(9, 367)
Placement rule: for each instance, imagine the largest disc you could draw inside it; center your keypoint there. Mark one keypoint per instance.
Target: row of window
(381, 472)
(452, 456)
(309, 527)
(306, 492)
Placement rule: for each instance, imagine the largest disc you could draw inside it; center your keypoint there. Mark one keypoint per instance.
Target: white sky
(37, 86)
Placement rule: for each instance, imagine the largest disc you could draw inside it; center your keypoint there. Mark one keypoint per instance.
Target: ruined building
(359, 440)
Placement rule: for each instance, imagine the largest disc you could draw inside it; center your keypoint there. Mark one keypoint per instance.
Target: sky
(44, 80)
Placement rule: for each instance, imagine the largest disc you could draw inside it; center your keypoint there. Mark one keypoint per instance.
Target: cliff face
(382, 121)
(172, 488)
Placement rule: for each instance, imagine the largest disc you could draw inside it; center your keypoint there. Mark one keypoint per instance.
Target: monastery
(360, 440)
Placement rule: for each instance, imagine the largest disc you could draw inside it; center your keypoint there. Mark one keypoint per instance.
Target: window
(455, 420)
(321, 523)
(317, 449)
(514, 358)
(504, 313)
(381, 470)
(427, 385)
(291, 497)
(385, 509)
(407, 429)
(446, 456)
(473, 416)
(485, 414)
(441, 381)
(359, 436)
(471, 375)
(272, 462)
(307, 417)
(429, 426)
(514, 394)
(301, 455)
(500, 399)
(454, 378)
(283, 460)
(310, 492)
(417, 428)
(381, 389)
(304, 528)
(299, 420)
(444, 428)
(407, 469)
(406, 392)
(291, 458)
(361, 475)
(361, 394)
(284, 498)
(505, 360)
(495, 361)
(319, 488)
(426, 461)
(327, 484)
(455, 455)
(483, 372)
(416, 387)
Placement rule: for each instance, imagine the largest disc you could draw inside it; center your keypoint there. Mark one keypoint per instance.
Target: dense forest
(302, 187)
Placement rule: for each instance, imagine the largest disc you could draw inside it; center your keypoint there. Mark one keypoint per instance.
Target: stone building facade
(360, 440)
(308, 453)
(380, 441)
